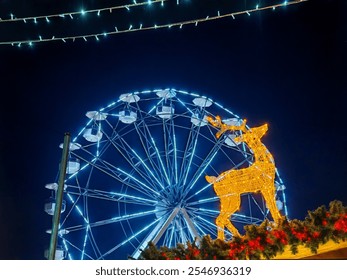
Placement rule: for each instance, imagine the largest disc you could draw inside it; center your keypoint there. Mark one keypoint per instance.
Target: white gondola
(166, 93)
(198, 119)
(92, 134)
(54, 186)
(202, 102)
(50, 206)
(95, 115)
(60, 253)
(73, 165)
(60, 232)
(127, 116)
(280, 187)
(165, 111)
(229, 140)
(129, 97)
(279, 204)
(233, 121)
(72, 146)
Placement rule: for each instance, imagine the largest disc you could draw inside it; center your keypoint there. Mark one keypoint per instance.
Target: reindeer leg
(220, 222)
(229, 205)
(269, 196)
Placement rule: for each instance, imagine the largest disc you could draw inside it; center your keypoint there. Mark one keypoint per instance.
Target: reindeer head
(252, 134)
(255, 133)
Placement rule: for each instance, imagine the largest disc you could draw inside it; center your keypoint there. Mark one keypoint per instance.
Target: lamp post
(59, 198)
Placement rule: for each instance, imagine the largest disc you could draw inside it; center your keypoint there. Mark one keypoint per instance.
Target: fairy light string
(13, 18)
(141, 27)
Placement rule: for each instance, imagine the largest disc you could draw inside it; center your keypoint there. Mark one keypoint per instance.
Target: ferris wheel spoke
(203, 231)
(207, 224)
(202, 167)
(209, 184)
(134, 160)
(122, 176)
(74, 206)
(202, 201)
(68, 243)
(157, 232)
(190, 224)
(189, 154)
(152, 152)
(170, 149)
(205, 228)
(110, 221)
(149, 144)
(112, 196)
(129, 239)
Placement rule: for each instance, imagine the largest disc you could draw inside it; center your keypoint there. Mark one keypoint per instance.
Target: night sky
(286, 67)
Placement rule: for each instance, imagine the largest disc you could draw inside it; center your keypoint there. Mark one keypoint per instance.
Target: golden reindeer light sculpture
(258, 177)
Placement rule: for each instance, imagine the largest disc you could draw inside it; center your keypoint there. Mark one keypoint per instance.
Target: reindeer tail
(211, 179)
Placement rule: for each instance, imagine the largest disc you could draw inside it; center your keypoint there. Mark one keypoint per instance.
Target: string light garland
(81, 12)
(140, 27)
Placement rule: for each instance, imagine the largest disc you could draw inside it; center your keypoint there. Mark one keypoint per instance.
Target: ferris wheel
(136, 173)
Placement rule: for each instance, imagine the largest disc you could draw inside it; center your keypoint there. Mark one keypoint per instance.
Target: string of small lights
(141, 27)
(47, 18)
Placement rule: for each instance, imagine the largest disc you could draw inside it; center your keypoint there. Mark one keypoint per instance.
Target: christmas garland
(264, 241)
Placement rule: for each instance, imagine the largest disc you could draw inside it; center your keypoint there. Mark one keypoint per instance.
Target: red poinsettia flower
(341, 225)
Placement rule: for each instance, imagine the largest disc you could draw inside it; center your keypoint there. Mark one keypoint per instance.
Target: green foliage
(264, 241)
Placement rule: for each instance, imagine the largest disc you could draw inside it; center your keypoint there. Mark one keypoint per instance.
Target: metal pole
(59, 198)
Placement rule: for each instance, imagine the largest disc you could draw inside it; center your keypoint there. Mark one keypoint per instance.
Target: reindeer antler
(217, 122)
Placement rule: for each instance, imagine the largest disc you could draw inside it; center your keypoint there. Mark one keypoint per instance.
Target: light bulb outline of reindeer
(258, 177)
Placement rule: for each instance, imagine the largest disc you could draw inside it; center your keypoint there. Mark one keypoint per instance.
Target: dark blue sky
(287, 68)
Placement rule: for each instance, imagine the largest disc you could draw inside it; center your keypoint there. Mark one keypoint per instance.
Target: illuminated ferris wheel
(136, 173)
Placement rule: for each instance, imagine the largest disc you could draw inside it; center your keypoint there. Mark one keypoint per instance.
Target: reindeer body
(258, 177)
